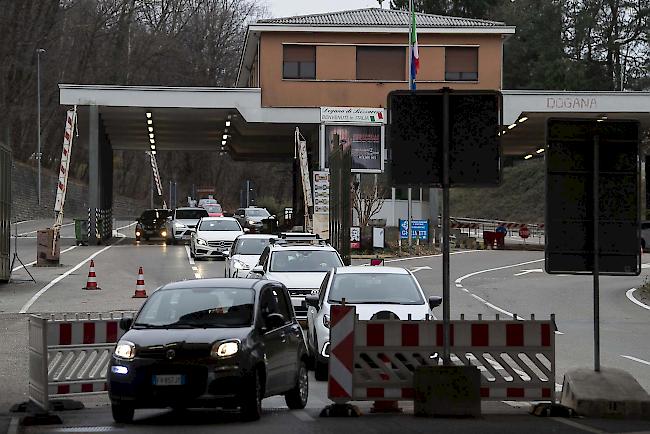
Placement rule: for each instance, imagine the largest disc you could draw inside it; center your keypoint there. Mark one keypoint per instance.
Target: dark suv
(210, 343)
(151, 224)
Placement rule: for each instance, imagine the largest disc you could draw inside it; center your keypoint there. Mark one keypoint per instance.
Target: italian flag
(415, 54)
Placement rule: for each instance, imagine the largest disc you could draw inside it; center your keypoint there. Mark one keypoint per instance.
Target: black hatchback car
(151, 224)
(224, 343)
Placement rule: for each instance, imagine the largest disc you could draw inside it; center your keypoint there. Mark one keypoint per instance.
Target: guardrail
(70, 356)
(376, 360)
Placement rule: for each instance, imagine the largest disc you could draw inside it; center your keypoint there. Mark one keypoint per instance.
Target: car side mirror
(258, 269)
(126, 323)
(312, 300)
(274, 321)
(434, 301)
(246, 230)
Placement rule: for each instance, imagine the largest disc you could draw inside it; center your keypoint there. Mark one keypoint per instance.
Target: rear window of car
(191, 214)
(257, 213)
(251, 246)
(304, 261)
(379, 288)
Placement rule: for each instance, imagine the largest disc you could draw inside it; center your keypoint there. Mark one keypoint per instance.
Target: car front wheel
(122, 412)
(296, 398)
(251, 408)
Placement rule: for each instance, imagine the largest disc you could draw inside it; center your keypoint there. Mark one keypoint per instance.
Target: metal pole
(151, 192)
(409, 212)
(171, 204)
(410, 63)
(596, 257)
(38, 116)
(445, 230)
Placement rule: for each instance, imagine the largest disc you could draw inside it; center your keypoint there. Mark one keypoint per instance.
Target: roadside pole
(409, 212)
(445, 230)
(596, 257)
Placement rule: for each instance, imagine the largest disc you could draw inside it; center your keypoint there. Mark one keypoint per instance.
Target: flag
(415, 54)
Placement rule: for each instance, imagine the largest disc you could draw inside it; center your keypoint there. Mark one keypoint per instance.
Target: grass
(519, 198)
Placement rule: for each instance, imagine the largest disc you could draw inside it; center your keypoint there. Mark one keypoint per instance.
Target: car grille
(186, 353)
(224, 245)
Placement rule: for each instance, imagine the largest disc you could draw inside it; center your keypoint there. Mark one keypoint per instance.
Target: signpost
(419, 229)
(442, 139)
(524, 232)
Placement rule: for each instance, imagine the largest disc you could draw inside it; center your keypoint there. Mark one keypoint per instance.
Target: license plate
(168, 380)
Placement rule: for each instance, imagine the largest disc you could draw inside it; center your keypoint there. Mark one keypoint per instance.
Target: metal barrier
(375, 360)
(69, 357)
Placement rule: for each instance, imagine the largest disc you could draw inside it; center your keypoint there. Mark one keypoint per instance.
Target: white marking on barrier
(636, 359)
(630, 295)
(36, 296)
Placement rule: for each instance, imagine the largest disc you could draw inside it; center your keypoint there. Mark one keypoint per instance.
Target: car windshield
(379, 288)
(197, 307)
(190, 214)
(213, 208)
(251, 246)
(257, 213)
(304, 261)
(150, 214)
(219, 225)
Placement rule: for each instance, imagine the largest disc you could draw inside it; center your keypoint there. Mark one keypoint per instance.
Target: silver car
(376, 292)
(182, 223)
(245, 253)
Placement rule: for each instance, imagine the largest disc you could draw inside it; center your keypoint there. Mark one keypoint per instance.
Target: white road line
(633, 299)
(189, 257)
(33, 262)
(23, 221)
(33, 232)
(124, 227)
(195, 268)
(63, 276)
(536, 270)
(458, 285)
(416, 269)
(460, 279)
(432, 256)
(645, 362)
(197, 275)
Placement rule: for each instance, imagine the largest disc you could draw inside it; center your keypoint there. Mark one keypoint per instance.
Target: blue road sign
(419, 229)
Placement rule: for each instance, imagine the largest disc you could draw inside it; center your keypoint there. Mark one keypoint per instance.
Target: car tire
(251, 407)
(192, 255)
(320, 370)
(297, 397)
(122, 412)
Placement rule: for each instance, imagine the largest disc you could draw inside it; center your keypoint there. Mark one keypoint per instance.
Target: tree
(368, 199)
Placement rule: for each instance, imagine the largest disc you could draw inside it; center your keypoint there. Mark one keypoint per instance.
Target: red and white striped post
(341, 363)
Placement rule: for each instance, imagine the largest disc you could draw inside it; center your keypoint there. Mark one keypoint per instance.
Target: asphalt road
(483, 282)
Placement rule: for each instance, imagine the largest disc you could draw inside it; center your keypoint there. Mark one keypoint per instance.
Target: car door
(293, 338)
(274, 339)
(312, 312)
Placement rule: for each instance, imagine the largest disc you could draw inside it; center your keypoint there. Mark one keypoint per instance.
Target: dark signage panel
(415, 134)
(570, 201)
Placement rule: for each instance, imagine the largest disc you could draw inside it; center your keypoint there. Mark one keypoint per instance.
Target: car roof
(210, 219)
(296, 246)
(256, 236)
(359, 269)
(220, 282)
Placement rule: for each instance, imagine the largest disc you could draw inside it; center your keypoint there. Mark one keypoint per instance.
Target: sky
(287, 8)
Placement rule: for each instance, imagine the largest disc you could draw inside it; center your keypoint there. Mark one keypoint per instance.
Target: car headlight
(224, 349)
(125, 350)
(179, 225)
(239, 265)
(137, 233)
(201, 242)
(251, 222)
(326, 320)
(163, 233)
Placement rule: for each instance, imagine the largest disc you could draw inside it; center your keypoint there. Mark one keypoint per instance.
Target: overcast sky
(287, 8)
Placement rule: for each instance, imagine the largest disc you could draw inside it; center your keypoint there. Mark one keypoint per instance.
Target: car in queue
(151, 224)
(207, 201)
(210, 343)
(213, 237)
(299, 261)
(213, 209)
(182, 223)
(245, 254)
(251, 218)
(376, 292)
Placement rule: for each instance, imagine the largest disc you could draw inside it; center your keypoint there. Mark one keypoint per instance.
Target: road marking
(633, 299)
(535, 270)
(197, 275)
(23, 221)
(124, 227)
(645, 362)
(63, 276)
(460, 279)
(33, 232)
(195, 268)
(432, 256)
(33, 262)
(189, 257)
(416, 269)
(578, 425)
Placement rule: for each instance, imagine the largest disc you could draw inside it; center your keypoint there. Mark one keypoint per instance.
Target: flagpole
(410, 45)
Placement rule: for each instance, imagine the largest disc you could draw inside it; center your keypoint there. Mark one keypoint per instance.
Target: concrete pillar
(94, 175)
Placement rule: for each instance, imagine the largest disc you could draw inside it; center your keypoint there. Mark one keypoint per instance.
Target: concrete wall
(393, 210)
(25, 196)
(335, 83)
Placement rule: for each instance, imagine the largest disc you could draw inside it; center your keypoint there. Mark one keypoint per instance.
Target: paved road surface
(483, 282)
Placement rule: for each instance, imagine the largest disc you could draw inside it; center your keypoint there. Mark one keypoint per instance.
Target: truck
(5, 213)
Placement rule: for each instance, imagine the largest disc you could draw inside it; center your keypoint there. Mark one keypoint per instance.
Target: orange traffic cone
(92, 277)
(140, 292)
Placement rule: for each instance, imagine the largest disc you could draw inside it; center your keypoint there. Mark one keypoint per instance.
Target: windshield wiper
(164, 326)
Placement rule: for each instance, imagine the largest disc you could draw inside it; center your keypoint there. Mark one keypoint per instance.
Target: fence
(375, 360)
(69, 357)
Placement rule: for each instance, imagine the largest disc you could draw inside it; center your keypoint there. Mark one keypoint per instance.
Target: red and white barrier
(516, 358)
(342, 346)
(82, 332)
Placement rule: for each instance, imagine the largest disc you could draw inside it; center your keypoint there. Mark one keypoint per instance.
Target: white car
(245, 254)
(300, 262)
(376, 292)
(214, 236)
(182, 223)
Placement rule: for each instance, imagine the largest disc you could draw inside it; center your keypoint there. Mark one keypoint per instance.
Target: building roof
(379, 17)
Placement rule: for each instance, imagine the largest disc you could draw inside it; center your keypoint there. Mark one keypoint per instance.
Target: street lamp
(38, 92)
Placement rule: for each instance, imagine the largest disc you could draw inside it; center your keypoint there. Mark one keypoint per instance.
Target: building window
(461, 64)
(299, 62)
(381, 63)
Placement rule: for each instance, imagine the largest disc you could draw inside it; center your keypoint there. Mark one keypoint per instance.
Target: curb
(633, 299)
